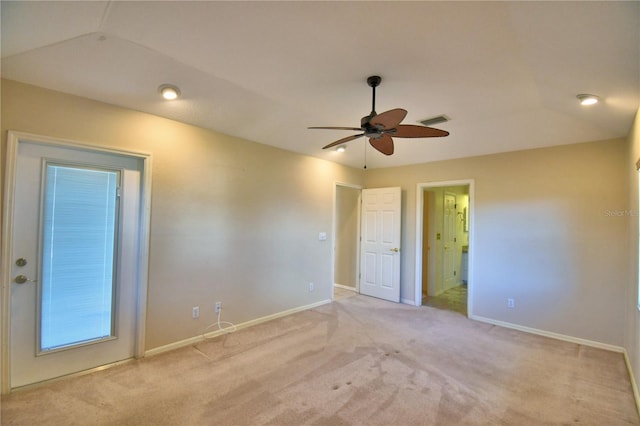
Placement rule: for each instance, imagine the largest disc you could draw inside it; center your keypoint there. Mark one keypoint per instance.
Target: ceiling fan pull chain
(365, 156)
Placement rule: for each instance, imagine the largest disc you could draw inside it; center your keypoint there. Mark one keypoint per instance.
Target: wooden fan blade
(384, 144)
(413, 131)
(389, 119)
(337, 128)
(343, 140)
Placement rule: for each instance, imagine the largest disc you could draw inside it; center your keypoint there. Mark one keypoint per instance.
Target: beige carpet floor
(357, 361)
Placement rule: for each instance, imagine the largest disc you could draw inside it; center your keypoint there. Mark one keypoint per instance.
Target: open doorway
(444, 235)
(346, 263)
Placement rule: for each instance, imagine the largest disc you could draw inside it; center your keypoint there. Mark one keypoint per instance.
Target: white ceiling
(506, 73)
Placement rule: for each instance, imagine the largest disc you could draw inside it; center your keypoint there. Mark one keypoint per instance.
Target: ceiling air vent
(435, 120)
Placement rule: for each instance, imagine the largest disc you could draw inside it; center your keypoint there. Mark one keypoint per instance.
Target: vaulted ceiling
(505, 73)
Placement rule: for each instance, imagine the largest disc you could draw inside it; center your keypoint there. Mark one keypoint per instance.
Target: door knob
(21, 279)
(395, 249)
(21, 262)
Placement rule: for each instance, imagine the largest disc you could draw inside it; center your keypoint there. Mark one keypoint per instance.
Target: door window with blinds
(79, 256)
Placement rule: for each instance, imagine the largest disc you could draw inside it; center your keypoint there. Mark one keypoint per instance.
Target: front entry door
(73, 253)
(380, 252)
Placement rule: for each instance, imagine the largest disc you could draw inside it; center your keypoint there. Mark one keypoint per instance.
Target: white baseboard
(196, 339)
(634, 385)
(558, 336)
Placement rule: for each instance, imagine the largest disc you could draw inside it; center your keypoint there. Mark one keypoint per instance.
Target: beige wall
(232, 220)
(545, 234)
(238, 222)
(632, 331)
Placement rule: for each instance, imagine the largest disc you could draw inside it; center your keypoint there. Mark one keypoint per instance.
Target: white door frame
(334, 230)
(419, 212)
(13, 141)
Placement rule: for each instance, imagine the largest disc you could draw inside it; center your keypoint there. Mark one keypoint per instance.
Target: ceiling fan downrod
(373, 82)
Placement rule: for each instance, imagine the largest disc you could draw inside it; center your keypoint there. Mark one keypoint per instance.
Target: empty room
(328, 213)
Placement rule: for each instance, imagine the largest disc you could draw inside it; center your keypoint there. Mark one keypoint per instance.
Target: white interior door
(449, 237)
(380, 250)
(74, 260)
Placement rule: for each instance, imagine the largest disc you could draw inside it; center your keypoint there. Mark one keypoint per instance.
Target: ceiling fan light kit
(380, 128)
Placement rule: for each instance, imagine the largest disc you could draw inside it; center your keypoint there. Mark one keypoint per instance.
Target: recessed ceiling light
(341, 148)
(169, 91)
(586, 99)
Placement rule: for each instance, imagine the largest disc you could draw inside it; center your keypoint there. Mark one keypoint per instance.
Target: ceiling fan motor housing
(366, 120)
(369, 129)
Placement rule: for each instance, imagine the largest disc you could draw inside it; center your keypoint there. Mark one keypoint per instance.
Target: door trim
(420, 188)
(14, 139)
(334, 230)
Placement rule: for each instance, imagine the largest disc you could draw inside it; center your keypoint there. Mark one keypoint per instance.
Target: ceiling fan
(380, 128)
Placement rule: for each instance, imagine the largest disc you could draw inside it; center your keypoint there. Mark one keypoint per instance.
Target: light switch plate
(322, 236)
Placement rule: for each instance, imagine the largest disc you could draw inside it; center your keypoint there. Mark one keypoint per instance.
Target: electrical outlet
(217, 307)
(312, 287)
(195, 312)
(511, 303)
